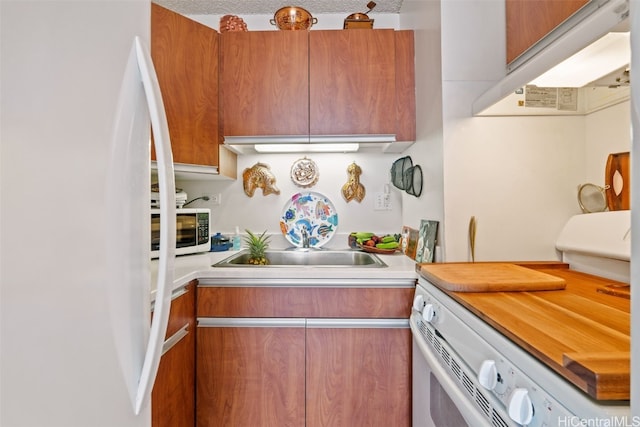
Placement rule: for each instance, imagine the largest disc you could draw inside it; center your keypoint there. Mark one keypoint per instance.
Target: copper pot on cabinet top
(293, 18)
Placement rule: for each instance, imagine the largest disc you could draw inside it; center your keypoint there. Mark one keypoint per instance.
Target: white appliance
(78, 93)
(192, 231)
(466, 372)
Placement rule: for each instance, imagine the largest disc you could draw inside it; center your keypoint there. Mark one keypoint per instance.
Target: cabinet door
(405, 86)
(352, 82)
(173, 395)
(185, 54)
(250, 376)
(358, 377)
(529, 21)
(265, 83)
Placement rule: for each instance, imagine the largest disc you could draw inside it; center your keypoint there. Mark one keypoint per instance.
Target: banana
(362, 235)
(388, 239)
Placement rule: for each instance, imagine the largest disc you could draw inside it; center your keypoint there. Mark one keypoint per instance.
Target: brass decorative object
(360, 20)
(259, 176)
(230, 23)
(353, 189)
(293, 18)
(304, 172)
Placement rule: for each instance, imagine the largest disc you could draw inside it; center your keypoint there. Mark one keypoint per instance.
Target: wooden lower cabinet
(173, 395)
(269, 367)
(358, 377)
(250, 376)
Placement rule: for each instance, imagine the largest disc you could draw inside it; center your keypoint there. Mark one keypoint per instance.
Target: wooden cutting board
(622, 290)
(581, 333)
(488, 277)
(602, 372)
(617, 180)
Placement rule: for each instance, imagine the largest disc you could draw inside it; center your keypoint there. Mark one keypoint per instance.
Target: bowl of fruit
(375, 243)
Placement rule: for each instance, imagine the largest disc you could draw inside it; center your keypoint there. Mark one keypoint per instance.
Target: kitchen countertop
(400, 268)
(591, 351)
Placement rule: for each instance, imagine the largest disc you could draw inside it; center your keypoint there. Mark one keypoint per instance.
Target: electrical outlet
(382, 201)
(215, 199)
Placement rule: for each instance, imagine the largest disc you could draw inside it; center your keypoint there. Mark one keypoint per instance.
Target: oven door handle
(462, 401)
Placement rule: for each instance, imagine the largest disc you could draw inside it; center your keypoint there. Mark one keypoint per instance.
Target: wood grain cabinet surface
(318, 83)
(185, 54)
(352, 75)
(173, 395)
(298, 356)
(251, 376)
(358, 377)
(529, 21)
(264, 83)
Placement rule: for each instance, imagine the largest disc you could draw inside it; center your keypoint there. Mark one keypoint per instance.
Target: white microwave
(192, 231)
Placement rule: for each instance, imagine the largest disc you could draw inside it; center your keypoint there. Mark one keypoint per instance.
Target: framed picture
(409, 241)
(426, 240)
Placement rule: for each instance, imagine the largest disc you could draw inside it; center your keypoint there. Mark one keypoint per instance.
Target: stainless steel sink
(312, 258)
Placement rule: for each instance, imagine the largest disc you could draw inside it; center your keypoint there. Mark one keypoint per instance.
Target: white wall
(424, 18)
(517, 175)
(606, 131)
(259, 213)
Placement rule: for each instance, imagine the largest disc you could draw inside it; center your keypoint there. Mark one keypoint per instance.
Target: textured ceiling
(266, 7)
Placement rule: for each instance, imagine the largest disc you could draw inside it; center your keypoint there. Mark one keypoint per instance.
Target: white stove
(468, 372)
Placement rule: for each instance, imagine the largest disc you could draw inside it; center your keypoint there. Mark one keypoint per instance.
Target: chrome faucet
(305, 238)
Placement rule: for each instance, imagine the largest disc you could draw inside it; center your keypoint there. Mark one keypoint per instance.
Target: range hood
(313, 144)
(598, 19)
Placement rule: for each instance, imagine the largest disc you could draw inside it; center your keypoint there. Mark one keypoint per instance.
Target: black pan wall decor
(398, 170)
(405, 176)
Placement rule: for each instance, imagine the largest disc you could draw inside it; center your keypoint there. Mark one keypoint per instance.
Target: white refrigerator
(78, 99)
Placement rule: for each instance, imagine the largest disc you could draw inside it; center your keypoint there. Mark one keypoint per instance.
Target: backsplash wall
(259, 213)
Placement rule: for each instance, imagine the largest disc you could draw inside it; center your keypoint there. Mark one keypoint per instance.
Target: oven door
(437, 400)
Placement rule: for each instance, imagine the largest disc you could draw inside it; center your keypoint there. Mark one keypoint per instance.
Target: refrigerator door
(75, 288)
(167, 251)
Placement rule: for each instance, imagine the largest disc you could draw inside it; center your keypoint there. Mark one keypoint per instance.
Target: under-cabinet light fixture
(309, 148)
(605, 55)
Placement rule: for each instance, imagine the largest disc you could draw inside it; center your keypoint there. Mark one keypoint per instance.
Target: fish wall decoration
(259, 176)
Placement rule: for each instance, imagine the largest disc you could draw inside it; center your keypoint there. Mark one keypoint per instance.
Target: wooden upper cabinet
(185, 54)
(265, 83)
(352, 76)
(528, 21)
(405, 86)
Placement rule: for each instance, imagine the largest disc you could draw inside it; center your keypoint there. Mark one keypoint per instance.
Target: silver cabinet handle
(175, 338)
(250, 322)
(358, 323)
(259, 322)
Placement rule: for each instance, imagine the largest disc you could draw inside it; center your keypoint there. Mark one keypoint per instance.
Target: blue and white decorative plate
(312, 211)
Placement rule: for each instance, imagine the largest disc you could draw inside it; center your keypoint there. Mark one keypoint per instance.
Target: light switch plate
(382, 201)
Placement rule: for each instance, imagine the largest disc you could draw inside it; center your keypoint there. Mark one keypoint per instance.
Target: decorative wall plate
(312, 211)
(304, 172)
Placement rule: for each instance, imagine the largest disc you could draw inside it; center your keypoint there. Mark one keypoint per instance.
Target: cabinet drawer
(304, 302)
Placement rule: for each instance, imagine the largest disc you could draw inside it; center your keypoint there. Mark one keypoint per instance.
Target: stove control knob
(520, 406)
(428, 313)
(418, 303)
(488, 374)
